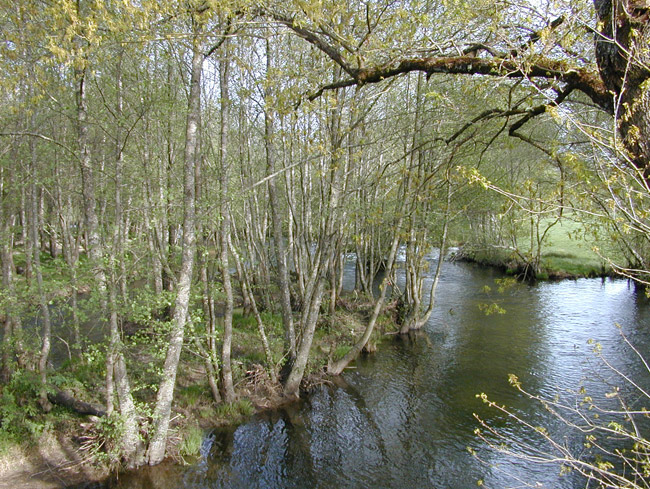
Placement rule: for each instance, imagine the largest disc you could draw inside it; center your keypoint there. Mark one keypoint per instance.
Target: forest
(182, 183)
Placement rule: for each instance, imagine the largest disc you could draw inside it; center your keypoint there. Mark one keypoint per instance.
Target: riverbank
(52, 463)
(554, 265)
(64, 448)
(405, 415)
(567, 251)
(88, 450)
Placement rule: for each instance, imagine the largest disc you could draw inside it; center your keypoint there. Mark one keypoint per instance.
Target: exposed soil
(54, 463)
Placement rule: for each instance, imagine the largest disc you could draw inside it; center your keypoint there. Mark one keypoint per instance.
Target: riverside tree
(190, 158)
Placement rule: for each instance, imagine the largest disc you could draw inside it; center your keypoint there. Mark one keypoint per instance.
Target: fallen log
(65, 399)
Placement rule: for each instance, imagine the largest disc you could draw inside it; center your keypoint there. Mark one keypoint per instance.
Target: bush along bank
(552, 265)
(92, 447)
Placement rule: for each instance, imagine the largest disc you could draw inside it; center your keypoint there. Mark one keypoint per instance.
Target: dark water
(403, 418)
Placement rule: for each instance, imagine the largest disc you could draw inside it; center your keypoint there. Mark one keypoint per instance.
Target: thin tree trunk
(422, 320)
(6, 256)
(211, 370)
(278, 238)
(94, 245)
(132, 446)
(226, 347)
(338, 367)
(309, 320)
(245, 283)
(10, 339)
(26, 235)
(69, 249)
(115, 363)
(323, 258)
(165, 395)
(46, 335)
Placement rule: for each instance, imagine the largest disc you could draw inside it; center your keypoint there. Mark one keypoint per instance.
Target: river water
(403, 417)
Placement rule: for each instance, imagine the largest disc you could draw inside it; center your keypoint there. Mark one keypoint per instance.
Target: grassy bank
(46, 448)
(567, 252)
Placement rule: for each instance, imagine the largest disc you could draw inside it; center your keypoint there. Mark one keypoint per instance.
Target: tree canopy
(173, 167)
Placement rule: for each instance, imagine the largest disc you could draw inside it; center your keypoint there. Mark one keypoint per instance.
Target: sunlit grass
(568, 249)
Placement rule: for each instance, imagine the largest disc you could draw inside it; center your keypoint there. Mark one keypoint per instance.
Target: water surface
(403, 417)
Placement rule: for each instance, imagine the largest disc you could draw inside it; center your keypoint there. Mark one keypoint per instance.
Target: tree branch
(331, 86)
(485, 115)
(536, 36)
(312, 38)
(585, 80)
(540, 109)
(44, 138)
(224, 36)
(468, 63)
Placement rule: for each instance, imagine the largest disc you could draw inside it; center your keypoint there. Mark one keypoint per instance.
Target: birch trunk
(94, 245)
(226, 363)
(116, 372)
(162, 412)
(278, 238)
(46, 335)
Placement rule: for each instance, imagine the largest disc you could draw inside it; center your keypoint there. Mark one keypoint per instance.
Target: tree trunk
(69, 249)
(157, 446)
(324, 255)
(115, 362)
(26, 235)
(421, 320)
(12, 326)
(623, 59)
(94, 245)
(65, 399)
(226, 363)
(308, 321)
(278, 238)
(46, 335)
(338, 367)
(245, 284)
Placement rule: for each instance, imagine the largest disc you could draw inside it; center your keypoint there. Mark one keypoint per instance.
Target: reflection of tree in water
(400, 407)
(344, 442)
(272, 451)
(403, 417)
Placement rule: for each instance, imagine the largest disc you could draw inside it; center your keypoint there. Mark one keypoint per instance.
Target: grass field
(567, 251)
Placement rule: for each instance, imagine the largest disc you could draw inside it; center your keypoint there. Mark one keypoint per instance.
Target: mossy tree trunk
(228, 389)
(165, 396)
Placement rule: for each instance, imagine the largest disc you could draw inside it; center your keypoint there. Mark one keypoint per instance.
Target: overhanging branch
(44, 138)
(540, 109)
(587, 81)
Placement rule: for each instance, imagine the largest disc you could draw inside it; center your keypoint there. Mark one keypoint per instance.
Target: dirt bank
(51, 464)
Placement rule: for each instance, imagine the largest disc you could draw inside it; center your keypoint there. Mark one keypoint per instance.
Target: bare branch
(44, 138)
(315, 40)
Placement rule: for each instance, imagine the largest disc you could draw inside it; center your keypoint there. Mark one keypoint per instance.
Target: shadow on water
(403, 417)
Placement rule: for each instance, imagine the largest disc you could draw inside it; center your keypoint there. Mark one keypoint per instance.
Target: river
(403, 417)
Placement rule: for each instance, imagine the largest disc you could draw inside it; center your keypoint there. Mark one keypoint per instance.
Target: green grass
(567, 250)
(341, 351)
(191, 440)
(236, 411)
(191, 395)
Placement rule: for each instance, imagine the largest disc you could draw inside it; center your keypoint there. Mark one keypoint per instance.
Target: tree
(162, 413)
(556, 56)
(623, 59)
(621, 40)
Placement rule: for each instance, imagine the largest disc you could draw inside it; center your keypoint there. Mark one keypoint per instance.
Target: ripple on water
(405, 417)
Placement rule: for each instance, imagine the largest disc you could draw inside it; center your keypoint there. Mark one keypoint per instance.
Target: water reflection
(403, 417)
